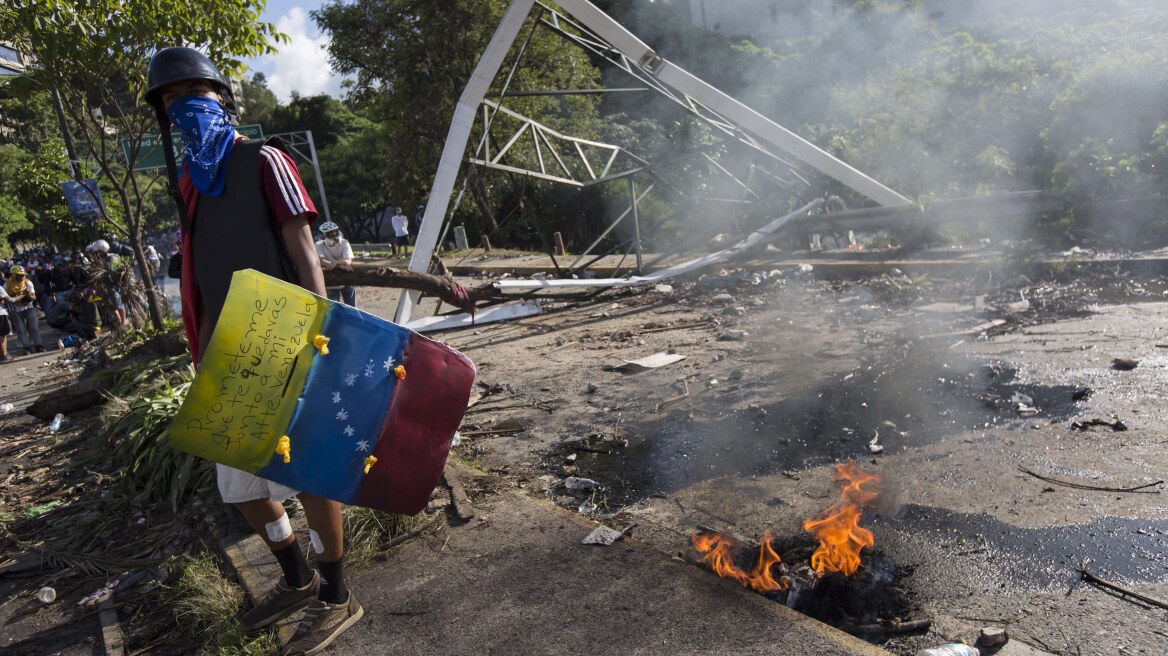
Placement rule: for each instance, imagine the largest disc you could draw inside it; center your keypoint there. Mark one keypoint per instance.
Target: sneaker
(4, 358)
(322, 623)
(280, 602)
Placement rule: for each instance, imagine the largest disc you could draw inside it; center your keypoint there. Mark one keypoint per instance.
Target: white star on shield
(342, 415)
(350, 379)
(336, 397)
(389, 364)
(363, 445)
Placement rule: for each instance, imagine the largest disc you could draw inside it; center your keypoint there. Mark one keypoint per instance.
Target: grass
(369, 534)
(206, 605)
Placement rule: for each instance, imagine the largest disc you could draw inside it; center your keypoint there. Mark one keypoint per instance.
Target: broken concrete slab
(521, 583)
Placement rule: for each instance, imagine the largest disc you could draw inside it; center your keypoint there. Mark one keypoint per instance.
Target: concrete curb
(517, 580)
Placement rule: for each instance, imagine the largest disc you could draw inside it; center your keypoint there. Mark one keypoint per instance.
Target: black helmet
(178, 64)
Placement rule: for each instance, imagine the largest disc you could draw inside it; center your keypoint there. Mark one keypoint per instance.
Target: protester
(244, 206)
(107, 268)
(5, 324)
(152, 259)
(23, 314)
(401, 232)
(335, 252)
(417, 222)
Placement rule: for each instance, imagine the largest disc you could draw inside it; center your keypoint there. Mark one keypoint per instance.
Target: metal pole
(636, 223)
(456, 141)
(319, 180)
(74, 165)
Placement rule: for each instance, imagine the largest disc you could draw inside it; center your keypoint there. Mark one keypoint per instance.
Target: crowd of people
(75, 292)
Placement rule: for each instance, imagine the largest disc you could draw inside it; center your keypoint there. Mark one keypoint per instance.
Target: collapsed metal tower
(569, 160)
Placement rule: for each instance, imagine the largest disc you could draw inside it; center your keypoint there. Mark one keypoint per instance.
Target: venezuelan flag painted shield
(324, 398)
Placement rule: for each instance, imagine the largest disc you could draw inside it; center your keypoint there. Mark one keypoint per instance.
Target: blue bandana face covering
(207, 139)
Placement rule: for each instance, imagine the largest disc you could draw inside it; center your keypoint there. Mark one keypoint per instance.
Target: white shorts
(237, 486)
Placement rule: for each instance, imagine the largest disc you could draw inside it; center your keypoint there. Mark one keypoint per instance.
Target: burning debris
(841, 538)
(838, 583)
(718, 549)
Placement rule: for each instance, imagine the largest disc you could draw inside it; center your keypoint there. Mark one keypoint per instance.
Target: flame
(838, 528)
(716, 550)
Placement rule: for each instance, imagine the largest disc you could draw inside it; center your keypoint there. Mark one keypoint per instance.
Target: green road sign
(150, 155)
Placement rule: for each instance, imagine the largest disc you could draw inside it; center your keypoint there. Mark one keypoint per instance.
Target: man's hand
(326, 265)
(345, 266)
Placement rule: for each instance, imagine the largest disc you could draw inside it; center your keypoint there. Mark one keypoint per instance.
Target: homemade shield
(324, 398)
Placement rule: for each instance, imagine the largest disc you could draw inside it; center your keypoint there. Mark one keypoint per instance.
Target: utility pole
(70, 150)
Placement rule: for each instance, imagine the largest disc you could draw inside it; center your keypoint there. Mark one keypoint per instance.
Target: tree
(96, 51)
(411, 60)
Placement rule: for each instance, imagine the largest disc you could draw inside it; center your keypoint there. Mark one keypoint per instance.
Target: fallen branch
(1139, 489)
(1091, 578)
(887, 628)
(494, 431)
(440, 286)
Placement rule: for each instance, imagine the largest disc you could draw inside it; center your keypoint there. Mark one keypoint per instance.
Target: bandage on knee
(317, 545)
(279, 530)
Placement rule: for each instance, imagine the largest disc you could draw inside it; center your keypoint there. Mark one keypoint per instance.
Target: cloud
(302, 63)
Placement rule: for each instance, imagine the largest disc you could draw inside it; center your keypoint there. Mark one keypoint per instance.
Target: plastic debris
(663, 289)
(950, 649)
(605, 536)
(56, 423)
(46, 595)
(578, 483)
(6, 408)
(37, 511)
(874, 445)
(733, 336)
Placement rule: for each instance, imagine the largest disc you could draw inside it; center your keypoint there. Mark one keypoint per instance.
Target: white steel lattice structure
(579, 162)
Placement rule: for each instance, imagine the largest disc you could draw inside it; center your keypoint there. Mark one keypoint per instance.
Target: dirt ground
(968, 538)
(971, 378)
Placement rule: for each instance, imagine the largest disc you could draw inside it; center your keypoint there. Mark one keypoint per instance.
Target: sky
(302, 63)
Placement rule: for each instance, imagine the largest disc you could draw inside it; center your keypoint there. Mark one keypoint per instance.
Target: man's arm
(297, 236)
(346, 261)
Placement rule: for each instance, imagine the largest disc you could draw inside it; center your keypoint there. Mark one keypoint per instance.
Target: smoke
(934, 98)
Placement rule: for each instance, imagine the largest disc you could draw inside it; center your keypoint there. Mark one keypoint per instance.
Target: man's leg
(337, 608)
(34, 329)
(17, 321)
(324, 519)
(349, 295)
(300, 585)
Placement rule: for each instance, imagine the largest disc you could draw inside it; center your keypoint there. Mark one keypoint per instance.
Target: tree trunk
(440, 286)
(147, 280)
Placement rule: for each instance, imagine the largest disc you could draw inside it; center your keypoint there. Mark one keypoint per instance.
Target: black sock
(332, 581)
(296, 571)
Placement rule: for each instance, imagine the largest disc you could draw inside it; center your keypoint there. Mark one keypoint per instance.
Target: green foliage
(370, 533)
(408, 79)
(207, 604)
(154, 472)
(95, 52)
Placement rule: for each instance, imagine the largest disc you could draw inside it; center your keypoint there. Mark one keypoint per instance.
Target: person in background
(23, 314)
(245, 206)
(78, 275)
(107, 265)
(5, 324)
(43, 276)
(401, 233)
(417, 223)
(335, 252)
(153, 260)
(60, 279)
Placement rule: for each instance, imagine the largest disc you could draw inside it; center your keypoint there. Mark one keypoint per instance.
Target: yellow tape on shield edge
(254, 370)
